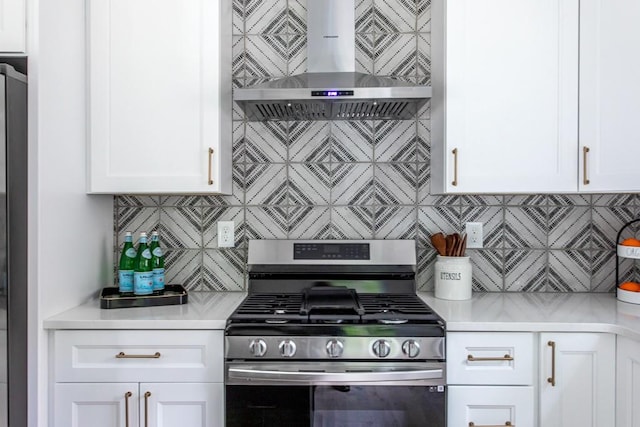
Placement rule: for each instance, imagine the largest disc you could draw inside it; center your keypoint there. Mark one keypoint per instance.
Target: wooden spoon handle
(463, 245)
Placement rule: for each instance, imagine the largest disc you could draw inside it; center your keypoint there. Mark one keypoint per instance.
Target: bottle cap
(143, 234)
(127, 233)
(154, 233)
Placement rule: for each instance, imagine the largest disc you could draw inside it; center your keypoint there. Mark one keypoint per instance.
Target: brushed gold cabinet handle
(508, 423)
(552, 378)
(455, 166)
(585, 179)
(210, 163)
(146, 408)
(472, 358)
(121, 355)
(127, 395)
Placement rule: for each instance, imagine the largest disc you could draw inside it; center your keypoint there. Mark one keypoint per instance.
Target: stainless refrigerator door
(4, 398)
(13, 248)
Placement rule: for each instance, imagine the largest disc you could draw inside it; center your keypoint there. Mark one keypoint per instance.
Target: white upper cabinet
(610, 95)
(13, 26)
(159, 96)
(505, 85)
(529, 93)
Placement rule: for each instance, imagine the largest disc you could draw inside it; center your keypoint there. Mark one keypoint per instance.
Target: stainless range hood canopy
(332, 89)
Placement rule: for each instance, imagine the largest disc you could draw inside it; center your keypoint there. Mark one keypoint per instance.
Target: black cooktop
(334, 306)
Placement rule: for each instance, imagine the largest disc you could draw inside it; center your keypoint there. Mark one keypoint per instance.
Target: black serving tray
(173, 294)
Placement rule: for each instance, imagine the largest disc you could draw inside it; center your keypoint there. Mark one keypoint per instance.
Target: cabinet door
(505, 87)
(13, 26)
(628, 383)
(504, 358)
(95, 405)
(159, 96)
(180, 405)
(609, 95)
(583, 367)
(490, 406)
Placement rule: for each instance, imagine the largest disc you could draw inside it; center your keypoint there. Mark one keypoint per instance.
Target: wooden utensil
(463, 246)
(456, 244)
(450, 239)
(439, 243)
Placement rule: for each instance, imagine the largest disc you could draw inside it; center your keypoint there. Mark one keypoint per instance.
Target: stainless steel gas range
(332, 333)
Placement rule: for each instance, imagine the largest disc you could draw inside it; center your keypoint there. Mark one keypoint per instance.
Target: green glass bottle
(142, 270)
(125, 267)
(157, 263)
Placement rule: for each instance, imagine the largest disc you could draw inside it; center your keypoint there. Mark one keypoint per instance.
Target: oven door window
(336, 406)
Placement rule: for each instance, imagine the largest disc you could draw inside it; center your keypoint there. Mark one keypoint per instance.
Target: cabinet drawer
(115, 356)
(490, 406)
(490, 358)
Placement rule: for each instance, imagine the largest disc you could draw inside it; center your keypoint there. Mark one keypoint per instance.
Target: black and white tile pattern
(309, 183)
(395, 222)
(525, 271)
(309, 141)
(395, 141)
(369, 179)
(488, 270)
(395, 183)
(352, 222)
(351, 141)
(352, 184)
(310, 223)
(266, 184)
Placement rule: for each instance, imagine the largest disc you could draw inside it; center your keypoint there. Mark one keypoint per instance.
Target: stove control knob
(287, 348)
(381, 348)
(258, 347)
(335, 348)
(411, 348)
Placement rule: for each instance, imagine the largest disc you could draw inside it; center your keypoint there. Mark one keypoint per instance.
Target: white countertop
(204, 310)
(539, 312)
(526, 312)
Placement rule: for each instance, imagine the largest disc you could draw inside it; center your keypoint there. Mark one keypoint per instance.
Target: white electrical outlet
(474, 234)
(226, 237)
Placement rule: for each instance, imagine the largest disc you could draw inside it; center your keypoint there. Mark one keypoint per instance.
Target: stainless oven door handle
(342, 377)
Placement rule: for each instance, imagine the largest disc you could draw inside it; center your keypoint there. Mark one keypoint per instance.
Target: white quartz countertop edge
(538, 312)
(203, 310)
(491, 312)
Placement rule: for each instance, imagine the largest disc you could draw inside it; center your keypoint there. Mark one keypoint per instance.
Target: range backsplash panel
(368, 179)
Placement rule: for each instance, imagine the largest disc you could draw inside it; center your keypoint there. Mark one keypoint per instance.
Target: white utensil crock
(453, 277)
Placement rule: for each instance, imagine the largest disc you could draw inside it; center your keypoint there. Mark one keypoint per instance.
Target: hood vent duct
(332, 89)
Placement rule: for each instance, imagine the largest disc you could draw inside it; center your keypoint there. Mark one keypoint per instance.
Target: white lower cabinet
(144, 404)
(545, 379)
(138, 379)
(627, 383)
(482, 406)
(577, 379)
(490, 377)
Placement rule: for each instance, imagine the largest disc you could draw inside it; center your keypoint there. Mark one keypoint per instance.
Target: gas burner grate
(260, 307)
(373, 308)
(395, 307)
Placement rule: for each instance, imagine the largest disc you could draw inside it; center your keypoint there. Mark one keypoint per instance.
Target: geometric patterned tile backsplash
(368, 179)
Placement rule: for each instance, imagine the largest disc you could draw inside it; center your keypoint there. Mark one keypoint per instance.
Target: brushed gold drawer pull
(472, 358)
(455, 167)
(210, 162)
(121, 355)
(508, 423)
(127, 395)
(585, 179)
(146, 408)
(552, 378)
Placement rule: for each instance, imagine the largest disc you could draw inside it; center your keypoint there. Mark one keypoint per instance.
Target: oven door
(335, 394)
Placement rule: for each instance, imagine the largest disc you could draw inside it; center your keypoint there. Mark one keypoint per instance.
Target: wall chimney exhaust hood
(331, 90)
